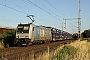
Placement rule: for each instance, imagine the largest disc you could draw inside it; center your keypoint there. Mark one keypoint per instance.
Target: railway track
(35, 46)
(29, 52)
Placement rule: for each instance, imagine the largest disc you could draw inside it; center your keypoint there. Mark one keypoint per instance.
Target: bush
(8, 37)
(66, 51)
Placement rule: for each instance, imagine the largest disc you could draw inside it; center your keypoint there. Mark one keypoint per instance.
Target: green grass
(69, 51)
(1, 44)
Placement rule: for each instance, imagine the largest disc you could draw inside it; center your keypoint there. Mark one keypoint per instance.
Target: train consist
(30, 33)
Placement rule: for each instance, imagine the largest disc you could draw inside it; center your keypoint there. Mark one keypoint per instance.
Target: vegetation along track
(29, 52)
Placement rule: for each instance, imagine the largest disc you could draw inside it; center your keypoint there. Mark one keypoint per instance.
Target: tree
(86, 33)
(8, 37)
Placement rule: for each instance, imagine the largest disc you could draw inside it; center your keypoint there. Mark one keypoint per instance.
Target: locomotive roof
(24, 24)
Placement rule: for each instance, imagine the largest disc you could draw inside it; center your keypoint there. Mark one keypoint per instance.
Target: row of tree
(85, 34)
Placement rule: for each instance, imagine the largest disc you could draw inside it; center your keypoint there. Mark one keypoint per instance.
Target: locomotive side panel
(37, 32)
(45, 33)
(48, 35)
(42, 33)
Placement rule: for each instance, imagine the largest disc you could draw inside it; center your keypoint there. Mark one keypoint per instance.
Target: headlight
(26, 37)
(17, 36)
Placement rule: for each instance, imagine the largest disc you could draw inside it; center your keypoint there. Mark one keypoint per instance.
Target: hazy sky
(46, 12)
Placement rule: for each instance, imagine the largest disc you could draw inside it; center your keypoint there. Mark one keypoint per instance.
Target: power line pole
(79, 21)
(69, 19)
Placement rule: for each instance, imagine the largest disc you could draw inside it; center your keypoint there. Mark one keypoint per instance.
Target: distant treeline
(85, 34)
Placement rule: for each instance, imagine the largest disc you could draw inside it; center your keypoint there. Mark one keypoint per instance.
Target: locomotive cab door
(32, 32)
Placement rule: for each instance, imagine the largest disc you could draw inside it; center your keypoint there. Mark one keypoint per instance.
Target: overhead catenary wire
(19, 10)
(30, 2)
(13, 8)
(22, 12)
(43, 10)
(45, 21)
(58, 10)
(47, 8)
(54, 8)
(17, 6)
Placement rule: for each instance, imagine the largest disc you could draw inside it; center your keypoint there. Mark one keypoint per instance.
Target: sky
(46, 12)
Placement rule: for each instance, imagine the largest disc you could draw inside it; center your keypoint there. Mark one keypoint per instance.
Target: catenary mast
(79, 21)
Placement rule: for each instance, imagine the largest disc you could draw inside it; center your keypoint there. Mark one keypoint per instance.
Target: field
(78, 50)
(83, 52)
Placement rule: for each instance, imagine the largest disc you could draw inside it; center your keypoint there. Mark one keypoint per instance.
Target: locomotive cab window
(26, 27)
(20, 27)
(33, 28)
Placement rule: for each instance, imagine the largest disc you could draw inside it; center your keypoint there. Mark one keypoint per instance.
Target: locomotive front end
(22, 34)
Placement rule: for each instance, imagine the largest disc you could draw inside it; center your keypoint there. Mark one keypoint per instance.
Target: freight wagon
(2, 30)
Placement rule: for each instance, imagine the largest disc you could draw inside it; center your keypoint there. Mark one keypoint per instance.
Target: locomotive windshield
(23, 28)
(26, 28)
(20, 27)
